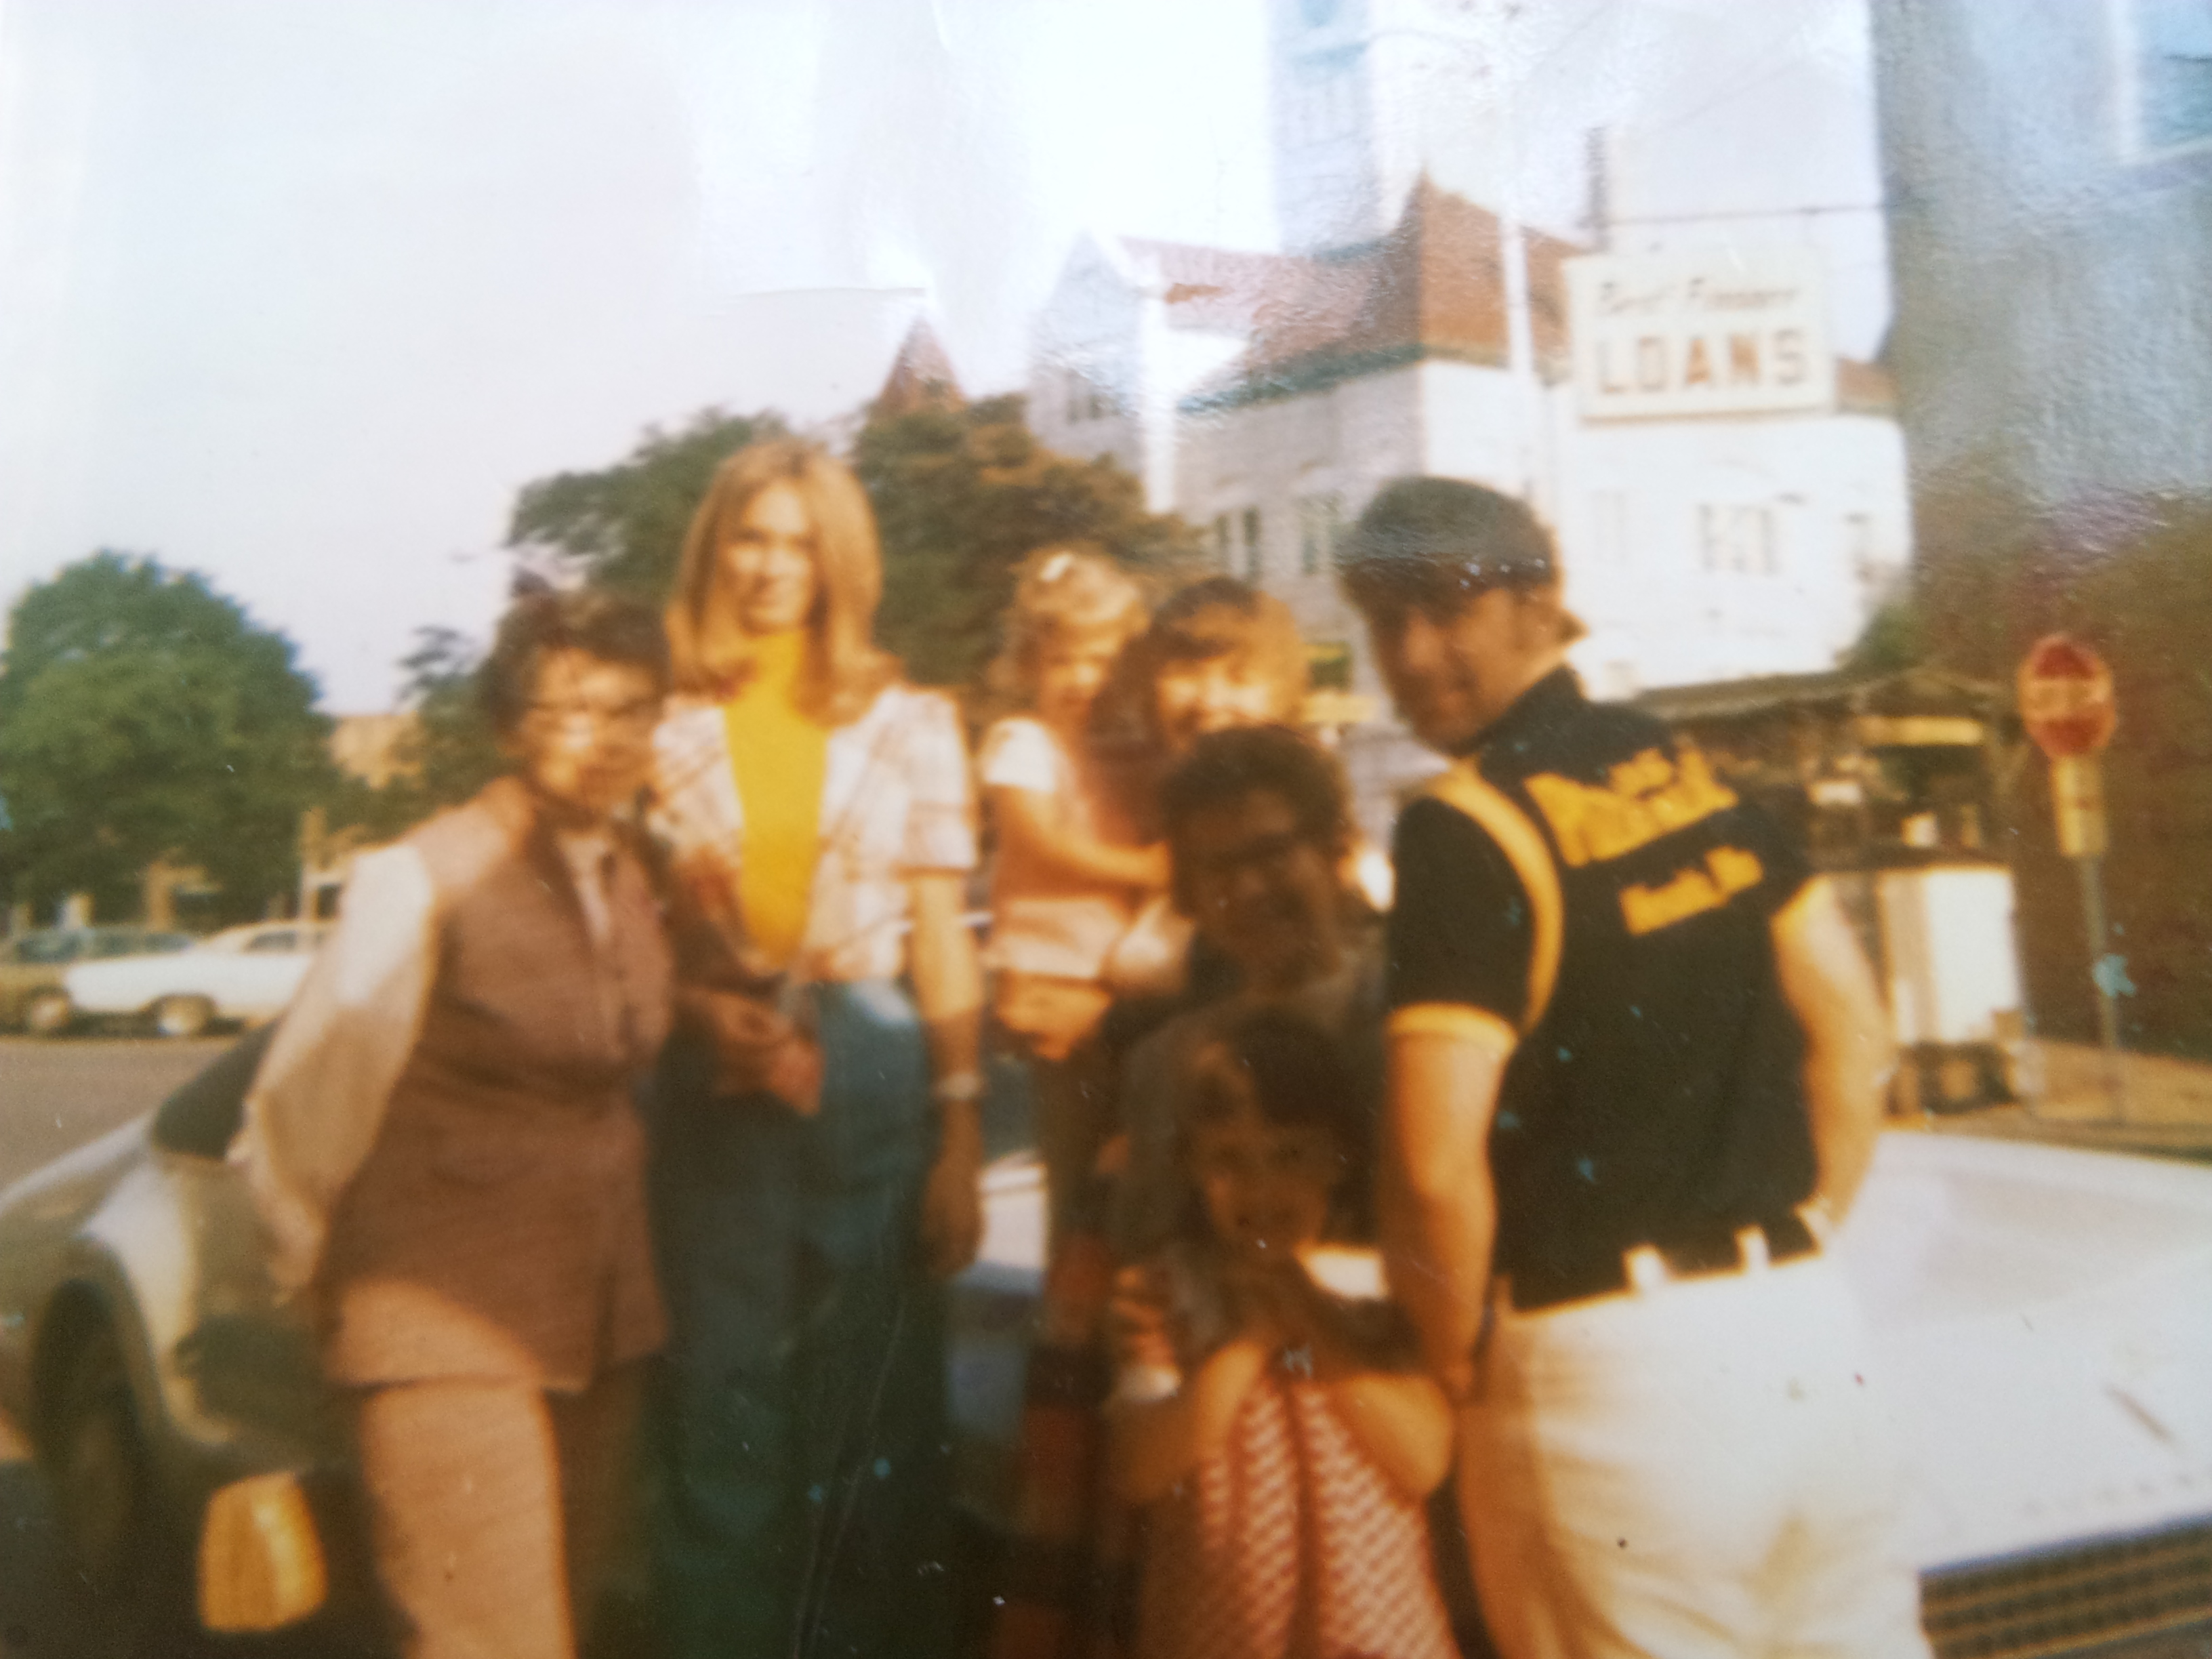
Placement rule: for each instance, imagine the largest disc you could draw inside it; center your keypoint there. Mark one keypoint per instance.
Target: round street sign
(2066, 698)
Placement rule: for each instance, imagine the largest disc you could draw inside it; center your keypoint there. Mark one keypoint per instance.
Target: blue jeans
(801, 1427)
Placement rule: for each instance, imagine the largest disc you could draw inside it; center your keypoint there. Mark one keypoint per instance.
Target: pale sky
(297, 293)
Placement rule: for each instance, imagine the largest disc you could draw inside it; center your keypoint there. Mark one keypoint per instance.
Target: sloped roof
(1434, 287)
(921, 376)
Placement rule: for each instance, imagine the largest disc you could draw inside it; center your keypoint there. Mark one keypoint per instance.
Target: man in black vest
(1636, 1064)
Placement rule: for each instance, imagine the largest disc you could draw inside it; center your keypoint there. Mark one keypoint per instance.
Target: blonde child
(1071, 872)
(1279, 1436)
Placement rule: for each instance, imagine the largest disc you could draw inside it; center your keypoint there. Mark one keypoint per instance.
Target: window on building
(1321, 521)
(2165, 74)
(1221, 543)
(1858, 550)
(1328, 665)
(1741, 539)
(1252, 562)
(1087, 400)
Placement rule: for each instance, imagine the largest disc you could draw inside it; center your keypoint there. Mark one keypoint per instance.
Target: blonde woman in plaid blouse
(817, 1153)
(896, 789)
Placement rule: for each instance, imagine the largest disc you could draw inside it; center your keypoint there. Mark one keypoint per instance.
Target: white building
(1131, 328)
(1696, 548)
(1266, 397)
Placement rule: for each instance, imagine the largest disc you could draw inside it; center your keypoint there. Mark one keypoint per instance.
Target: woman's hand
(952, 1199)
(1137, 1320)
(756, 1049)
(1271, 1308)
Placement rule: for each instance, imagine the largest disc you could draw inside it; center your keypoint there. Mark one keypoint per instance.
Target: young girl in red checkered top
(1279, 1436)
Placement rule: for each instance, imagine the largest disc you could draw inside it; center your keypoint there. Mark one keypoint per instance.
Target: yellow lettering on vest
(1736, 870)
(1726, 871)
(1641, 800)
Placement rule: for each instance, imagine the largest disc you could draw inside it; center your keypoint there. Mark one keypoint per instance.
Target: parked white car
(2043, 1319)
(245, 974)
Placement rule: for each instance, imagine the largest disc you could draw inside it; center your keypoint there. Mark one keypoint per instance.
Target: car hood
(2042, 1324)
(79, 1175)
(2044, 1318)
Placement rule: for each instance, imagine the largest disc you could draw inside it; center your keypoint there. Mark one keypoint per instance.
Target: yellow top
(778, 756)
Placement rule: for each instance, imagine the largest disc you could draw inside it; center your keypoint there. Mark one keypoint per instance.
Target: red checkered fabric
(1290, 1543)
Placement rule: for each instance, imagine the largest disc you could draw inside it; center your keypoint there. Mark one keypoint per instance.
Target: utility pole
(2066, 703)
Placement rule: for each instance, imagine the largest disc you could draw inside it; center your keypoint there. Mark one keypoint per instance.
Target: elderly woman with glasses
(817, 1149)
(443, 1146)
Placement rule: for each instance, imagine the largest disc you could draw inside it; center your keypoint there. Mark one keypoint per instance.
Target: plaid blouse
(897, 801)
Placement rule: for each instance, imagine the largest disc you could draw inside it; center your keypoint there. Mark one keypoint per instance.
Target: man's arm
(1439, 1212)
(1848, 1052)
(1405, 1425)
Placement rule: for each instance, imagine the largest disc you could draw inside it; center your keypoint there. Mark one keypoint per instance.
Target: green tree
(1894, 639)
(962, 495)
(451, 753)
(623, 527)
(144, 715)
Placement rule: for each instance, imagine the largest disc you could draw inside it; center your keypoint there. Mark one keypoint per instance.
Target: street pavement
(55, 1097)
(2161, 1107)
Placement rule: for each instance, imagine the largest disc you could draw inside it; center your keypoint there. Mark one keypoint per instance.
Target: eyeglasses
(1270, 854)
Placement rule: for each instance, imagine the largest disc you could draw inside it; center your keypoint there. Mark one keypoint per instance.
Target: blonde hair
(1061, 592)
(713, 656)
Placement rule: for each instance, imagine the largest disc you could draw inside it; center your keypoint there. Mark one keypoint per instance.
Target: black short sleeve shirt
(1656, 1090)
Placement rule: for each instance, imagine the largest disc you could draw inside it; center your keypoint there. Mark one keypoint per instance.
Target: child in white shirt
(1072, 872)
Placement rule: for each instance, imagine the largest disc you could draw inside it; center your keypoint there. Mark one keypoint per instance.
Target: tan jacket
(445, 1143)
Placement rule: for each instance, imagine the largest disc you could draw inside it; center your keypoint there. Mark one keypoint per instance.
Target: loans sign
(1715, 331)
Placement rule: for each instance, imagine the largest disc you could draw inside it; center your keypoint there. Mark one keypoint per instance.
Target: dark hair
(1294, 1075)
(1224, 766)
(606, 626)
(1285, 1064)
(1220, 615)
(1288, 1070)
(1431, 544)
